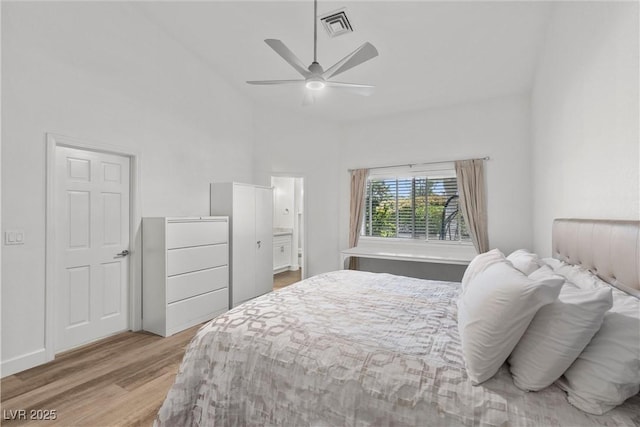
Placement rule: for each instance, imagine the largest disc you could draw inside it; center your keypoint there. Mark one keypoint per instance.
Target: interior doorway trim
(303, 266)
(135, 267)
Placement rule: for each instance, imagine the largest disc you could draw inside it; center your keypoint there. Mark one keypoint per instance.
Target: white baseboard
(23, 362)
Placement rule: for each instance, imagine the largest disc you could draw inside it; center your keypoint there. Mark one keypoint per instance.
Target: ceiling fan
(315, 77)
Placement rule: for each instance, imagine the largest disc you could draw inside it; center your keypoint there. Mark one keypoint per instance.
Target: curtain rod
(419, 164)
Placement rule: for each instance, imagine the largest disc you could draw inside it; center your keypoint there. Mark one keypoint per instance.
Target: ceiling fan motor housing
(315, 81)
(316, 68)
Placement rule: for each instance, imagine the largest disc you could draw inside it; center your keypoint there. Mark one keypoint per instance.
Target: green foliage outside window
(413, 208)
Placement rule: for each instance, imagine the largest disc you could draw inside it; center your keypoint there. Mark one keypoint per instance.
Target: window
(419, 206)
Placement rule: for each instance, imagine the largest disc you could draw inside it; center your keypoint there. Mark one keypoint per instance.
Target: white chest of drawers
(185, 272)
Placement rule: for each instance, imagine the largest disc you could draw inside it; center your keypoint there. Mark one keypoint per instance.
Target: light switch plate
(14, 237)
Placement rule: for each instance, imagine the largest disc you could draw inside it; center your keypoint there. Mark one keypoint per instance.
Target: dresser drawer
(185, 260)
(199, 282)
(189, 312)
(196, 233)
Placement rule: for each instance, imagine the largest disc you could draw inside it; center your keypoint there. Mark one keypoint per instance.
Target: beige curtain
(470, 174)
(358, 188)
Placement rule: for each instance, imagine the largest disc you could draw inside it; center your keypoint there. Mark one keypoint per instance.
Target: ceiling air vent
(336, 23)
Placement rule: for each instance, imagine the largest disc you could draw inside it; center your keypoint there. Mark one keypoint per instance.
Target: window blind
(413, 207)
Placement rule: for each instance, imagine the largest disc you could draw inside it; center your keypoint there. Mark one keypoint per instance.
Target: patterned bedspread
(354, 349)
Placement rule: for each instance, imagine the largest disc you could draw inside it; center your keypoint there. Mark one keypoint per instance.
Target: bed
(357, 348)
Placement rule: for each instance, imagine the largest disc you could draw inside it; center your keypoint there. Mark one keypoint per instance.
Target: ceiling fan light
(315, 84)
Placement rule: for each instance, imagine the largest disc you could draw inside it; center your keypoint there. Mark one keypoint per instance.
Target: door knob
(122, 254)
(259, 242)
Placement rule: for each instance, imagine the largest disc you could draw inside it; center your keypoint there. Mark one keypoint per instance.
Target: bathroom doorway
(288, 230)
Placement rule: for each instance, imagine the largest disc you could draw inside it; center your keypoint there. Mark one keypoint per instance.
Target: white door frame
(135, 265)
(305, 270)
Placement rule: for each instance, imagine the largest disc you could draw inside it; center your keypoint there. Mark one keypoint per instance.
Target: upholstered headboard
(608, 248)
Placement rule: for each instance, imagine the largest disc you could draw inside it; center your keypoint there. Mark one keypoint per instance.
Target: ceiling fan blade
(362, 54)
(288, 56)
(275, 82)
(358, 89)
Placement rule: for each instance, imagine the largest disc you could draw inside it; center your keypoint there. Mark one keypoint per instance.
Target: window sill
(433, 252)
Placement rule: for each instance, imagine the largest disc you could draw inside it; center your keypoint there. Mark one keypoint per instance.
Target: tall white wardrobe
(250, 211)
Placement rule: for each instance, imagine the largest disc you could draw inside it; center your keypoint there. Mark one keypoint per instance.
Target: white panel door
(92, 231)
(264, 235)
(244, 244)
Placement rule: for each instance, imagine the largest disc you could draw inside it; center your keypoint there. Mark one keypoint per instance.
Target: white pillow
(608, 370)
(552, 262)
(543, 272)
(557, 334)
(493, 313)
(524, 261)
(479, 263)
(577, 275)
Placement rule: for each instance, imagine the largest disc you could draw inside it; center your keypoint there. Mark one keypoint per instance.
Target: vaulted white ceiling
(431, 53)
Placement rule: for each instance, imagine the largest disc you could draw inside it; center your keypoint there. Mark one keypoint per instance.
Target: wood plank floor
(286, 278)
(118, 381)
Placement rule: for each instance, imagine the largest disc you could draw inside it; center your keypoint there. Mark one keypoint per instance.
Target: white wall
(498, 128)
(585, 117)
(283, 201)
(290, 145)
(98, 71)
(323, 152)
